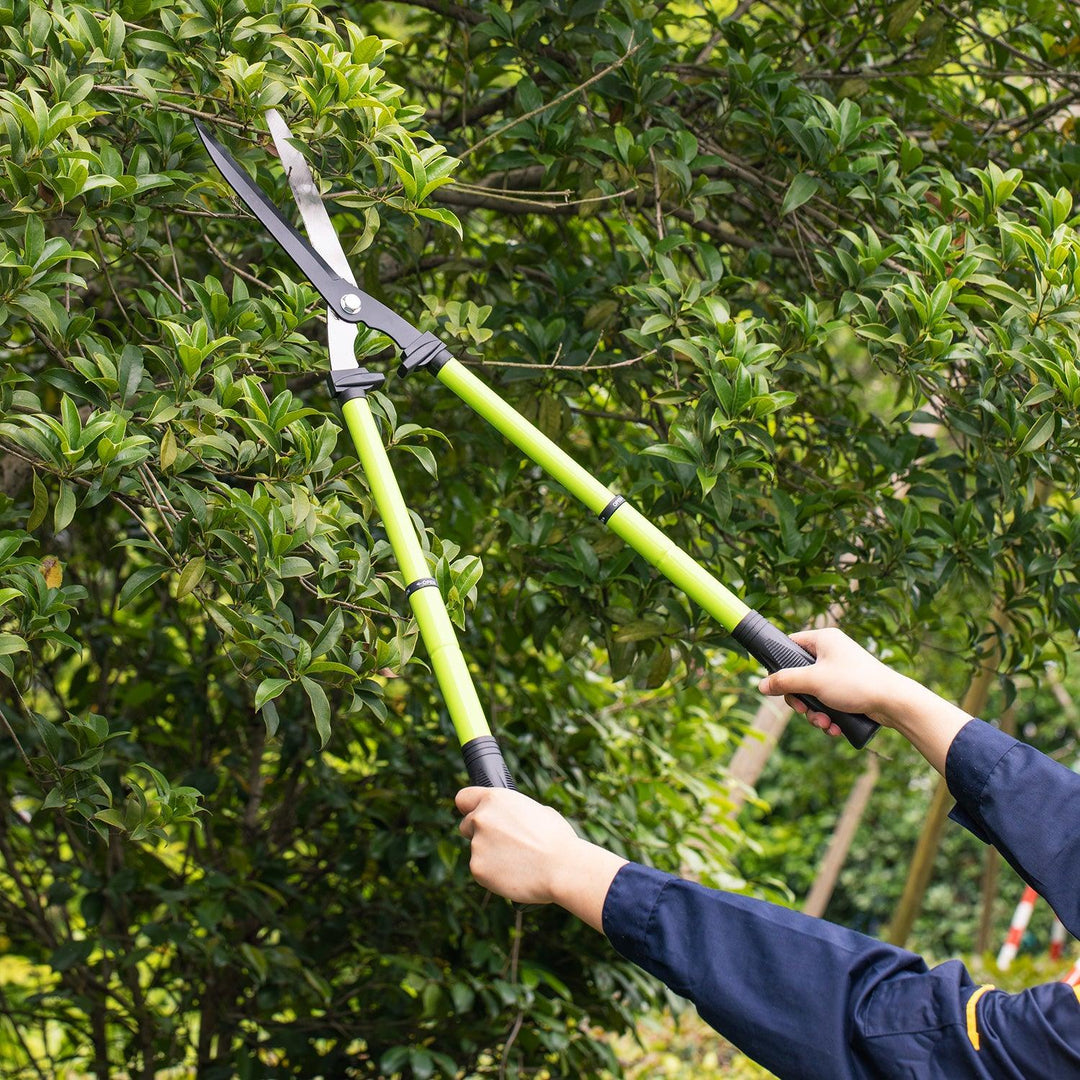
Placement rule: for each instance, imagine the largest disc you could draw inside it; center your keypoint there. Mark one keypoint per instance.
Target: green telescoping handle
(765, 642)
(483, 758)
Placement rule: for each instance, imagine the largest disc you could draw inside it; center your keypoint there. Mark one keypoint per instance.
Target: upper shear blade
(320, 229)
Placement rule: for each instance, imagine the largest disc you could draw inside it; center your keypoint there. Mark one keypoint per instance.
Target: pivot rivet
(350, 303)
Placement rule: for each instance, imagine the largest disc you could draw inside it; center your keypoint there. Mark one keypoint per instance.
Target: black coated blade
(310, 263)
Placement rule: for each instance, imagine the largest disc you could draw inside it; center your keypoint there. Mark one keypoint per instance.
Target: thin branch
(108, 278)
(562, 367)
(224, 260)
(169, 106)
(613, 66)
(176, 265)
(157, 277)
(449, 11)
(515, 955)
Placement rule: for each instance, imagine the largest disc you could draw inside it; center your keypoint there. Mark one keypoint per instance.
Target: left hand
(528, 852)
(517, 843)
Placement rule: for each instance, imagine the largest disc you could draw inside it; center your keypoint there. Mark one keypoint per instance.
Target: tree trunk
(99, 1035)
(840, 843)
(749, 760)
(922, 863)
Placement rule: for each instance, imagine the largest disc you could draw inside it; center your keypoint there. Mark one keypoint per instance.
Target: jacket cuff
(975, 753)
(628, 908)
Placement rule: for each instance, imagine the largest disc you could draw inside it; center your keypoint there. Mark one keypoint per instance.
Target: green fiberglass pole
(754, 632)
(482, 755)
(644, 537)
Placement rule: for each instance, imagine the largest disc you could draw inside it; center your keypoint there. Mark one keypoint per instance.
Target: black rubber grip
(776, 650)
(485, 764)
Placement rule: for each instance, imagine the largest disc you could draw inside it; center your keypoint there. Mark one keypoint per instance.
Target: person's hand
(844, 676)
(530, 853)
(517, 843)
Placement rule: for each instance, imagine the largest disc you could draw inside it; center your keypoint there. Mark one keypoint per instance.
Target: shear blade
(320, 229)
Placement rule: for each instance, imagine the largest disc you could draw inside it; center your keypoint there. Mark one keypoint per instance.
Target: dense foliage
(774, 272)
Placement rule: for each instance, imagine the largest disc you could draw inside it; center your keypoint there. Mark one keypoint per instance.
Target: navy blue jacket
(814, 1001)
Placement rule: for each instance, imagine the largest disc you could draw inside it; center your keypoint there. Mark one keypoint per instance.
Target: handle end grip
(776, 650)
(485, 764)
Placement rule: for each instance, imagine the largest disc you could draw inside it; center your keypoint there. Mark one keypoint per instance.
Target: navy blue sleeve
(1026, 805)
(814, 1001)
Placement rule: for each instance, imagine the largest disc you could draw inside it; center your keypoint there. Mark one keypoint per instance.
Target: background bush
(799, 280)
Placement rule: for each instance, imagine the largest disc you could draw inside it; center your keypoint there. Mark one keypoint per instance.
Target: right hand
(843, 676)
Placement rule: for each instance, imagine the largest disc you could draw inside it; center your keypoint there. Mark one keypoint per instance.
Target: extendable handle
(776, 650)
(483, 759)
(485, 764)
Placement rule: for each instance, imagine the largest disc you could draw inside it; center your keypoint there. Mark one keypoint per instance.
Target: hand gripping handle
(776, 650)
(485, 764)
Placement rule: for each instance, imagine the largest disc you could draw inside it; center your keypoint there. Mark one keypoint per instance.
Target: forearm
(927, 721)
(582, 881)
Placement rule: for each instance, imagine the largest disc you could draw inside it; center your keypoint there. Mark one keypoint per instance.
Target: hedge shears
(322, 261)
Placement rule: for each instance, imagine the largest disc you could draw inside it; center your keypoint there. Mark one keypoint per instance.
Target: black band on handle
(484, 760)
(610, 509)
(420, 583)
(776, 650)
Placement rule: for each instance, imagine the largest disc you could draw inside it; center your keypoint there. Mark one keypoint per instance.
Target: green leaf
(586, 557)
(112, 817)
(655, 323)
(53, 798)
(268, 690)
(168, 448)
(41, 504)
(329, 634)
(12, 643)
(392, 1061)
(803, 187)
(441, 215)
(671, 453)
(65, 507)
(271, 719)
(71, 953)
(139, 582)
(320, 707)
(1038, 433)
(190, 576)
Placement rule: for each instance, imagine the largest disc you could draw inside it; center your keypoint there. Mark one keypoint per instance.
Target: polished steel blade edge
(320, 228)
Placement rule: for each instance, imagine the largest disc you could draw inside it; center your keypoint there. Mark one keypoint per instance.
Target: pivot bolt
(350, 303)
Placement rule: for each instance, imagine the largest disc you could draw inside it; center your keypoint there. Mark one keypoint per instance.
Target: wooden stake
(840, 842)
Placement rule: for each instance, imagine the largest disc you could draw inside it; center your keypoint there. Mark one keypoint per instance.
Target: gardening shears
(322, 260)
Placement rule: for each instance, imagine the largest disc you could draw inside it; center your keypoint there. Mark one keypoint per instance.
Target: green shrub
(732, 289)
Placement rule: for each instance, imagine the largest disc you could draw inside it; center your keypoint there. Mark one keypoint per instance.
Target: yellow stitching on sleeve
(972, 1020)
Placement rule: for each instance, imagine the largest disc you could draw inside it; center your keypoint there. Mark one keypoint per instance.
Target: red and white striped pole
(1057, 939)
(1021, 918)
(1073, 978)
